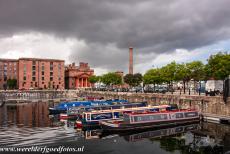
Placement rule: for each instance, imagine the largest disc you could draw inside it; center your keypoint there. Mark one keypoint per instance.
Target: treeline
(217, 67)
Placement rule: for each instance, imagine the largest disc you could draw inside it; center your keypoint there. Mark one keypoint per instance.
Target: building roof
(5, 59)
(42, 59)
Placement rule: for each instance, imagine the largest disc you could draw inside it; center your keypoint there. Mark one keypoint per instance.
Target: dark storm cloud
(151, 26)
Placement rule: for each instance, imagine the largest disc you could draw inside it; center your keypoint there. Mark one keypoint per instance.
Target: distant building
(78, 76)
(8, 70)
(120, 73)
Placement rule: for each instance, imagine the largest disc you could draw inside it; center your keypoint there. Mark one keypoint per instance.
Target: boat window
(88, 116)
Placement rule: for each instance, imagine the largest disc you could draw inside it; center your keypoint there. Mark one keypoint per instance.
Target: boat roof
(149, 113)
(126, 109)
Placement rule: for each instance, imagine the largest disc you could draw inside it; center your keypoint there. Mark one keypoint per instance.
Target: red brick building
(37, 73)
(8, 70)
(33, 73)
(78, 76)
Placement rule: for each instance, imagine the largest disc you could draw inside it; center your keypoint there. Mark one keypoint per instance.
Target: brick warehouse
(8, 70)
(41, 73)
(36, 73)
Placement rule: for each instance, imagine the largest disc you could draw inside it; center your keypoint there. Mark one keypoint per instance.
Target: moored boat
(62, 107)
(144, 120)
(88, 118)
(75, 111)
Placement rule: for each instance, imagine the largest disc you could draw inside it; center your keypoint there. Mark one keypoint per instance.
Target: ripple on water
(14, 136)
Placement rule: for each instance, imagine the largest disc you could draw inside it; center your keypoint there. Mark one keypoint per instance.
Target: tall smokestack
(130, 60)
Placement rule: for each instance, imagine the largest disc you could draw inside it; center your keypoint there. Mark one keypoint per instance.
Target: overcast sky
(100, 31)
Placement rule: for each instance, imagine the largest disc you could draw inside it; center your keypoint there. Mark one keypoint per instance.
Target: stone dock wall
(14, 96)
(205, 104)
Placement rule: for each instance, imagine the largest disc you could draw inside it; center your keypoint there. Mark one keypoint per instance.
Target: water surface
(25, 125)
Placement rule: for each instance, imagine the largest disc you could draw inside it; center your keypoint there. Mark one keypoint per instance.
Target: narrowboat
(145, 120)
(75, 111)
(62, 107)
(92, 118)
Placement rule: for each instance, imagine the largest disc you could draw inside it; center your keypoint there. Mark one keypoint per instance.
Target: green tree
(169, 73)
(93, 79)
(196, 72)
(133, 79)
(128, 78)
(111, 78)
(12, 83)
(138, 78)
(218, 66)
(153, 76)
(182, 74)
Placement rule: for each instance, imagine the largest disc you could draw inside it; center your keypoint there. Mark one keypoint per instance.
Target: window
(24, 67)
(51, 73)
(43, 78)
(33, 68)
(24, 78)
(34, 62)
(34, 73)
(34, 78)
(43, 67)
(51, 78)
(24, 71)
(51, 66)
(59, 71)
(43, 73)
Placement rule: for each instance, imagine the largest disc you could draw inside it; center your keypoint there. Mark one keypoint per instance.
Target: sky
(100, 32)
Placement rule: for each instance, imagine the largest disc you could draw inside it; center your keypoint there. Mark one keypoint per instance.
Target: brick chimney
(130, 60)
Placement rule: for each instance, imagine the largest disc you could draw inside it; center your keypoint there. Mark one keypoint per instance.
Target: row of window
(35, 85)
(43, 78)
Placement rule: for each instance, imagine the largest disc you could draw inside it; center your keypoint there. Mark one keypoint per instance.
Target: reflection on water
(30, 124)
(29, 115)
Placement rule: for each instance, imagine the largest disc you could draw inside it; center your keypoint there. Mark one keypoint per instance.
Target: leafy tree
(128, 78)
(138, 78)
(218, 66)
(182, 74)
(93, 79)
(12, 83)
(111, 79)
(133, 80)
(169, 73)
(197, 72)
(153, 76)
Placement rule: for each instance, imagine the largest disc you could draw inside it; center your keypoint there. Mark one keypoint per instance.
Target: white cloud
(179, 55)
(37, 45)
